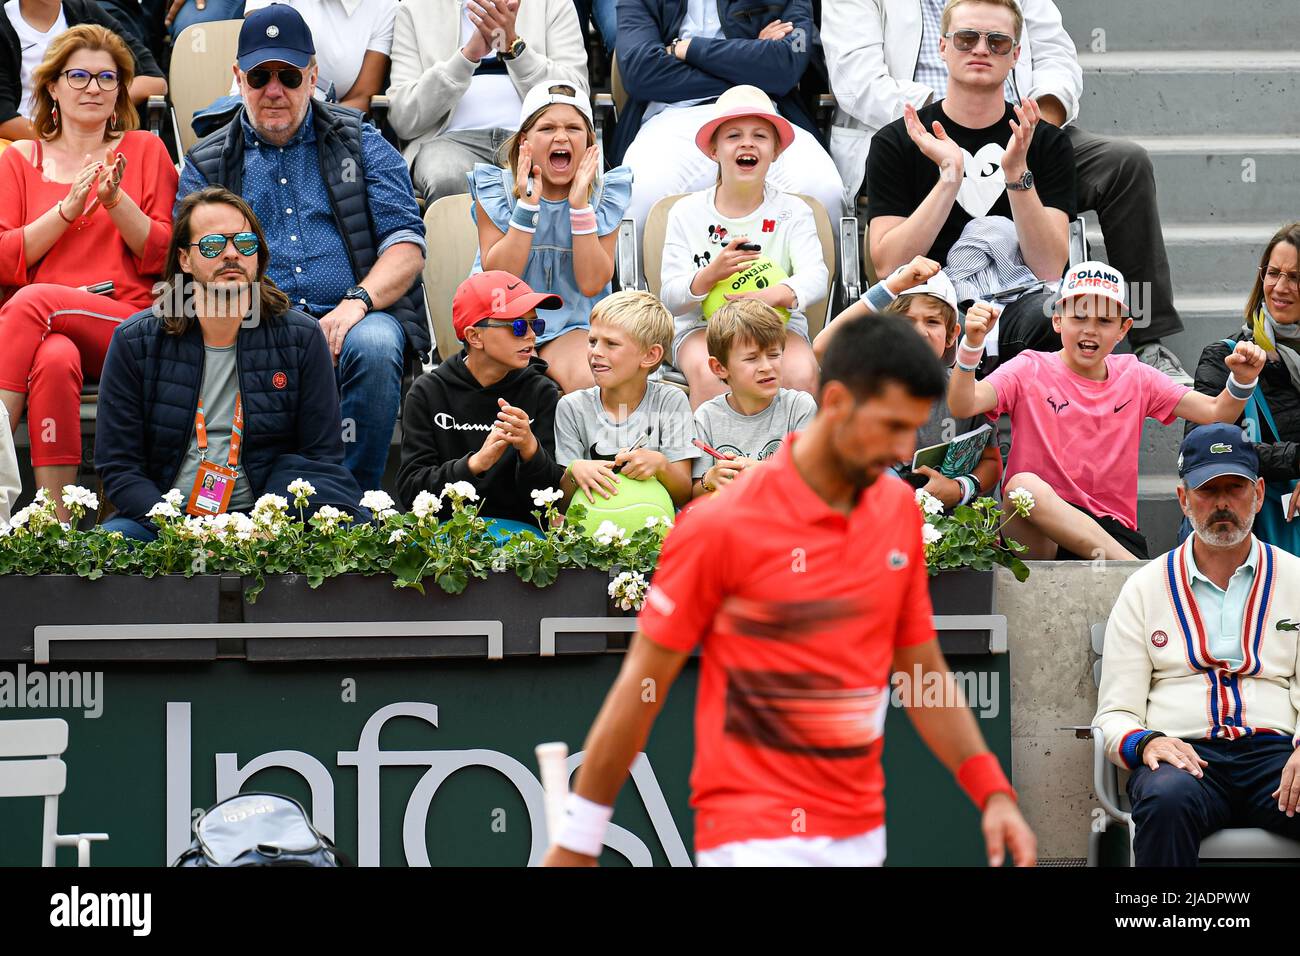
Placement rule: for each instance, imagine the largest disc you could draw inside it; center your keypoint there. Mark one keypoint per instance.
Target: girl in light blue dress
(551, 218)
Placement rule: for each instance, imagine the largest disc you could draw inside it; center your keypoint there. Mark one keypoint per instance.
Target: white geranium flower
(929, 503)
(42, 497)
(301, 489)
(461, 489)
(19, 519)
(243, 527)
(426, 504)
(163, 509)
(1022, 499)
(327, 518)
(380, 504)
(609, 533)
(544, 496)
(74, 496)
(930, 534)
(270, 502)
(501, 562)
(627, 590)
(397, 537)
(175, 498)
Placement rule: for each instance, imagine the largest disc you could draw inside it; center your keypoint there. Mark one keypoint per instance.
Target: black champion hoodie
(446, 417)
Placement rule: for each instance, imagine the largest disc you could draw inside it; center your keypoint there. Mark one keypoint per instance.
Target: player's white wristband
(585, 823)
(1239, 391)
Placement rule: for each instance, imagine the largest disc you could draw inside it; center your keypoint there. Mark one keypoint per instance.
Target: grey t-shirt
(220, 385)
(584, 431)
(723, 428)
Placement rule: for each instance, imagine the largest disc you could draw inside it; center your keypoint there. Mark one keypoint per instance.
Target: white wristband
(585, 823)
(1239, 391)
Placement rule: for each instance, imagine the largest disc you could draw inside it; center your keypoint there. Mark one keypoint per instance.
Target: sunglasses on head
(290, 77)
(518, 326)
(1000, 44)
(246, 244)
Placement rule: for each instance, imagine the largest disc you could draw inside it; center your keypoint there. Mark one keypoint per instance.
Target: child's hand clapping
(513, 425)
(580, 188)
(523, 170)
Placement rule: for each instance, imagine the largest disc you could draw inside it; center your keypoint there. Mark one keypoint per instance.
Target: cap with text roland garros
(1094, 278)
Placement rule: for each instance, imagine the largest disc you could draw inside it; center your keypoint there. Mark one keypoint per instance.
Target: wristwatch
(1026, 181)
(516, 48)
(357, 292)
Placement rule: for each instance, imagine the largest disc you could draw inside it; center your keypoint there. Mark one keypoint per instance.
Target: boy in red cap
(487, 414)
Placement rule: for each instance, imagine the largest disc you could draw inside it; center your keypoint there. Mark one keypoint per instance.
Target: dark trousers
(1174, 811)
(1115, 179)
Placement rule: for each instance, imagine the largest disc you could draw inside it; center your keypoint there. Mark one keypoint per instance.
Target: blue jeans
(369, 374)
(130, 529)
(605, 12)
(190, 14)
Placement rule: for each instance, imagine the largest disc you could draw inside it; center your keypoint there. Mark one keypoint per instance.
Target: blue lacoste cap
(1213, 450)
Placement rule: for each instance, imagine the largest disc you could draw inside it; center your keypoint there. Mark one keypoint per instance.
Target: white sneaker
(1162, 360)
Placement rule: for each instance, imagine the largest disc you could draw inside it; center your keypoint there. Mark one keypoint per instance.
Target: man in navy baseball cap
(275, 33)
(1221, 491)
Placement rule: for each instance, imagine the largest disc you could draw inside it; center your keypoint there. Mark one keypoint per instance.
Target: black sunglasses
(290, 77)
(518, 326)
(246, 244)
(1000, 44)
(80, 79)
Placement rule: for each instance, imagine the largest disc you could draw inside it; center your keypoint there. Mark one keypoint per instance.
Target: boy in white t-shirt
(746, 340)
(719, 232)
(1076, 417)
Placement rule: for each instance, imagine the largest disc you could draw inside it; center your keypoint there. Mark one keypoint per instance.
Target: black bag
(259, 829)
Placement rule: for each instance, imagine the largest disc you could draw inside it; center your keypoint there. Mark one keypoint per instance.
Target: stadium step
(1190, 92)
(1215, 179)
(1209, 258)
(1205, 320)
(1127, 26)
(1158, 512)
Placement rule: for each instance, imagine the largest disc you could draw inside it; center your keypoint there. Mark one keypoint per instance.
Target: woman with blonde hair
(85, 220)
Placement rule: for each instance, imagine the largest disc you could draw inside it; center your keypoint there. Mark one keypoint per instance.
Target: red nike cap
(495, 295)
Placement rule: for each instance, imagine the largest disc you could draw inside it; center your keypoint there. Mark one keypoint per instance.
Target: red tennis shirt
(799, 609)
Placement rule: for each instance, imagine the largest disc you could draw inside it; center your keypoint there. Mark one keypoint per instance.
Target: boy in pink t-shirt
(1076, 417)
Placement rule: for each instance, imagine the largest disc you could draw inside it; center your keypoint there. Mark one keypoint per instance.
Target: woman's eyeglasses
(1000, 44)
(518, 326)
(1276, 276)
(246, 244)
(290, 77)
(80, 79)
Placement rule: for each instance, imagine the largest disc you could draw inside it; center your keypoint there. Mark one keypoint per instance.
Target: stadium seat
(607, 106)
(202, 57)
(449, 221)
(30, 767)
(1232, 843)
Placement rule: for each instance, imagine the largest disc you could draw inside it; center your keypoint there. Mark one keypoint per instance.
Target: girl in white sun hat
(551, 218)
(743, 238)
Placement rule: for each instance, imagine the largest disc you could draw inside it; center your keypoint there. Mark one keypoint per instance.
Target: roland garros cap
(1214, 450)
(275, 33)
(495, 295)
(1094, 278)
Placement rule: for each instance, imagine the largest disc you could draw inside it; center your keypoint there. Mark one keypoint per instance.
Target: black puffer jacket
(1278, 459)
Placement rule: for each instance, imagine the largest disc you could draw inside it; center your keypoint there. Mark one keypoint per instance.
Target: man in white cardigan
(883, 54)
(1200, 688)
(460, 74)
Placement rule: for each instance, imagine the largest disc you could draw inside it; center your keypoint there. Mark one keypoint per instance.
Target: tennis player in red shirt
(804, 586)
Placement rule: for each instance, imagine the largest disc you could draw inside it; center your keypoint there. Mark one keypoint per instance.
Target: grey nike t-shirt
(759, 436)
(585, 431)
(218, 391)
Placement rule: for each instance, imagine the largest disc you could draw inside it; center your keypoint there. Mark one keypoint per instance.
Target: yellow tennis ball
(758, 275)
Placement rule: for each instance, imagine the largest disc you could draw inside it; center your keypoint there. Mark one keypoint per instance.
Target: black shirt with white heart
(900, 176)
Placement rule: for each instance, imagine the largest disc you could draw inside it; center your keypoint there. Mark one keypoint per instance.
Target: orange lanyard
(236, 432)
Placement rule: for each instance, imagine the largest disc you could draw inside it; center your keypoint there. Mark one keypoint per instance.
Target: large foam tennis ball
(758, 275)
(628, 507)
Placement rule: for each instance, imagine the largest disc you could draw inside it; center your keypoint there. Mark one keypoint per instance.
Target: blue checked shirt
(930, 68)
(309, 258)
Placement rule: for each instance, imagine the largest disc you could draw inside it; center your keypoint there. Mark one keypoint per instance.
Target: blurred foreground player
(804, 584)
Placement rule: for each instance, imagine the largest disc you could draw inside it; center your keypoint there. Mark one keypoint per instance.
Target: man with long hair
(220, 380)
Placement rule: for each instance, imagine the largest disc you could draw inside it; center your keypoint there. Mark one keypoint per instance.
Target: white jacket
(429, 74)
(871, 51)
(1157, 673)
(10, 483)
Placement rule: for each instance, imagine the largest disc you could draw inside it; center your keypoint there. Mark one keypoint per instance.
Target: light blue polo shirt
(1223, 611)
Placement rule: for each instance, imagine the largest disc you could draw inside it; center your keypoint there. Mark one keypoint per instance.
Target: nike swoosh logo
(593, 455)
(1119, 408)
(511, 288)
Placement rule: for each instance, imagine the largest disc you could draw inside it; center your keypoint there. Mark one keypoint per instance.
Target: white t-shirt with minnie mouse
(783, 225)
